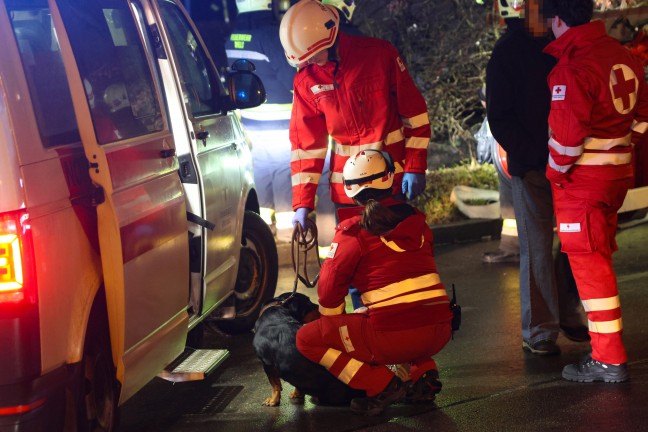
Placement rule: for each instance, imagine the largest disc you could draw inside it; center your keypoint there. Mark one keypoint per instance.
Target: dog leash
(304, 241)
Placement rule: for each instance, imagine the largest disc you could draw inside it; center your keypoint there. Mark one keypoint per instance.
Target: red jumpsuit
(366, 100)
(408, 318)
(598, 101)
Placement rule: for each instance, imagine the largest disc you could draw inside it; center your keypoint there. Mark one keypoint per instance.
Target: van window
(200, 85)
(44, 72)
(116, 73)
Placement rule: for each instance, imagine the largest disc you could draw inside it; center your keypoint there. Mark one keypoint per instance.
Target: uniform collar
(345, 213)
(576, 37)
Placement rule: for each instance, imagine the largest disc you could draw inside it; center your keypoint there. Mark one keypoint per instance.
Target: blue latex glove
(301, 214)
(413, 184)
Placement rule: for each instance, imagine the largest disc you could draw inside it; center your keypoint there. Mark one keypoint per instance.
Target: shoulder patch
(558, 92)
(318, 88)
(332, 250)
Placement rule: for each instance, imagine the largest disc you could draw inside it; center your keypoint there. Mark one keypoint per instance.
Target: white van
(128, 211)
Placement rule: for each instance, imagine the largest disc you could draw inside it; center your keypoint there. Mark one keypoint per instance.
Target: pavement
(489, 382)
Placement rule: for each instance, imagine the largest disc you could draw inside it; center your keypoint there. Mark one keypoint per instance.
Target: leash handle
(304, 240)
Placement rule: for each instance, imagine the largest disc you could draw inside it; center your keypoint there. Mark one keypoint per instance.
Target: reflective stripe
(417, 142)
(411, 298)
(350, 370)
(606, 143)
(564, 150)
(402, 287)
(416, 121)
(393, 246)
(304, 178)
(604, 159)
(605, 326)
(639, 127)
(601, 304)
(329, 358)
(338, 310)
(350, 150)
(300, 154)
(559, 168)
(245, 54)
(394, 137)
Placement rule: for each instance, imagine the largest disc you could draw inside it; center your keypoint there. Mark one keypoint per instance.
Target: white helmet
(345, 6)
(244, 6)
(369, 169)
(511, 8)
(308, 28)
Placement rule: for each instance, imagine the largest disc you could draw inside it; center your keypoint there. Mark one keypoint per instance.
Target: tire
(258, 270)
(97, 398)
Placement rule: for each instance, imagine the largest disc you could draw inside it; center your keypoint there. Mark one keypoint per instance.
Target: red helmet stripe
(320, 44)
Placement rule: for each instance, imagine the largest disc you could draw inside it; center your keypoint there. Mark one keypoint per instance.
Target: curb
(470, 230)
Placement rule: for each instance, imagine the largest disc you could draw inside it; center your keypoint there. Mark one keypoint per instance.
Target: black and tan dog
(274, 344)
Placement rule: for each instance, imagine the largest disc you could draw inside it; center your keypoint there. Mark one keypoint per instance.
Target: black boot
(371, 406)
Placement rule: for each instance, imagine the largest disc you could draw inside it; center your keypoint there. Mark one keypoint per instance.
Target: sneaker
(371, 406)
(544, 347)
(425, 388)
(500, 256)
(576, 334)
(591, 370)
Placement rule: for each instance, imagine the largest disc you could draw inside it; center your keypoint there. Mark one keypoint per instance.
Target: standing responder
(385, 249)
(599, 108)
(357, 90)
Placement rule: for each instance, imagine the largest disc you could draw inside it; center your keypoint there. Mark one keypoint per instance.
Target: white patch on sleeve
(332, 250)
(570, 227)
(346, 339)
(318, 88)
(558, 92)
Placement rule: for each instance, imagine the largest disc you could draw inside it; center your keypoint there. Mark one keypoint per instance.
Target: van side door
(119, 104)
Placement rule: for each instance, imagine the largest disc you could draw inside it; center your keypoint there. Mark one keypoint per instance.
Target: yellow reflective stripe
(329, 358)
(604, 159)
(564, 150)
(402, 287)
(417, 142)
(606, 143)
(601, 304)
(300, 154)
(509, 231)
(350, 150)
(605, 326)
(394, 137)
(350, 370)
(305, 178)
(559, 168)
(639, 127)
(393, 246)
(338, 310)
(411, 298)
(416, 121)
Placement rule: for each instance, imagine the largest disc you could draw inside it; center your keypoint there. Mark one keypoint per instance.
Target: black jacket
(518, 98)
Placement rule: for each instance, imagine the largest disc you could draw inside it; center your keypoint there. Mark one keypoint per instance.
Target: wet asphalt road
(490, 384)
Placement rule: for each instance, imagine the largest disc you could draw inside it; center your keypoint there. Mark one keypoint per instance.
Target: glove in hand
(300, 216)
(413, 184)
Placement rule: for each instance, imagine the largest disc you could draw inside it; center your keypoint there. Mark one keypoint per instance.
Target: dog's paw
(297, 397)
(271, 401)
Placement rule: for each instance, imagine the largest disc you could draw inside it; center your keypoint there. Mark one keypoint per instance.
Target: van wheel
(256, 281)
(98, 407)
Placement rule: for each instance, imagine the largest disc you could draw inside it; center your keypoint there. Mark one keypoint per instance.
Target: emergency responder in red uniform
(357, 90)
(385, 250)
(598, 100)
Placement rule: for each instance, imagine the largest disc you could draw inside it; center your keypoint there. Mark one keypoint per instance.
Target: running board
(194, 365)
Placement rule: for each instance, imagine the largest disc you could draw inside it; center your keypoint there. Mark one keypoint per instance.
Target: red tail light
(16, 262)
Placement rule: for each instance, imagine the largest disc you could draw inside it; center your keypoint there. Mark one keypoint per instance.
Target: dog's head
(299, 306)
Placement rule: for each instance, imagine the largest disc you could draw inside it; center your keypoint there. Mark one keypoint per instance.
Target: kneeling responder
(384, 248)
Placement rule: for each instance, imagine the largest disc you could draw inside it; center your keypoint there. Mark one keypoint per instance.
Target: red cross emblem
(622, 88)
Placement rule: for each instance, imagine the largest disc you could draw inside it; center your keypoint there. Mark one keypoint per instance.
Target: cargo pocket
(573, 229)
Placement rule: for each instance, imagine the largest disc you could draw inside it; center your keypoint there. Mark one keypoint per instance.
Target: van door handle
(167, 153)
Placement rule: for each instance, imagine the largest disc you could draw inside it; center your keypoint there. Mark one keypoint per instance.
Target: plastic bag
(485, 142)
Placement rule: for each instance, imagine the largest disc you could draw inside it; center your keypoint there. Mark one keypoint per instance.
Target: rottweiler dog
(274, 344)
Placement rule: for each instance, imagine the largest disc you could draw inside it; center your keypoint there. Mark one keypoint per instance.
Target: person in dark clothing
(517, 106)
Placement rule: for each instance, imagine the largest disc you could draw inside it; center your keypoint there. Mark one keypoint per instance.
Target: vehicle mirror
(245, 90)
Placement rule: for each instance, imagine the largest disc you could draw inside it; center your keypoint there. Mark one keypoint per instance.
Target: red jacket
(366, 100)
(599, 98)
(395, 274)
